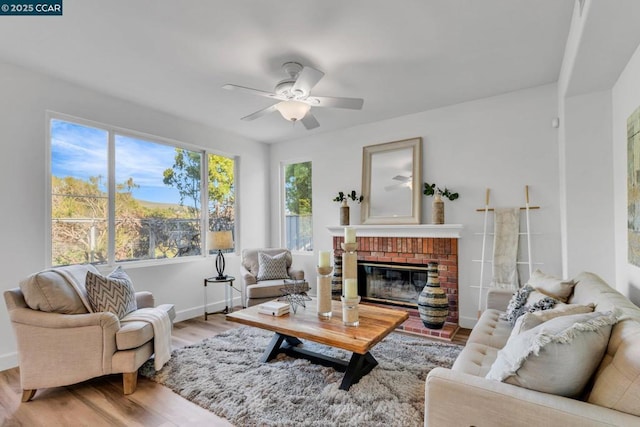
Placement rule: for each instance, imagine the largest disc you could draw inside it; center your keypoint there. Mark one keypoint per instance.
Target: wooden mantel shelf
(418, 230)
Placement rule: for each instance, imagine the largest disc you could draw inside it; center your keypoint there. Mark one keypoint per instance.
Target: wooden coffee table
(375, 324)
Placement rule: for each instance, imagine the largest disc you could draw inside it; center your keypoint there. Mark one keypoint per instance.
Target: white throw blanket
(505, 248)
(161, 324)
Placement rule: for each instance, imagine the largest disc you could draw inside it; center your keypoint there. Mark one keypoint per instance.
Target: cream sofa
(61, 343)
(461, 396)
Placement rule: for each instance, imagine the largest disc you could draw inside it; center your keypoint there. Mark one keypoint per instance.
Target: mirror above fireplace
(391, 182)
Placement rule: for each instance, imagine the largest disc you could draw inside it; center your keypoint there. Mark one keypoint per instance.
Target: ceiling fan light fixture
(293, 110)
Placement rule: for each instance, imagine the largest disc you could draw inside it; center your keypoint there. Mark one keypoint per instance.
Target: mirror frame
(416, 194)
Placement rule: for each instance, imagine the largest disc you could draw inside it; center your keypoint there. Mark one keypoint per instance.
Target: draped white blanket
(505, 248)
(161, 324)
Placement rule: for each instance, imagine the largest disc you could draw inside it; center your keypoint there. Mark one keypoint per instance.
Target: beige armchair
(61, 343)
(256, 291)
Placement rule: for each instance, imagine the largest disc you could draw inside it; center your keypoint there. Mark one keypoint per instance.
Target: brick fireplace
(408, 247)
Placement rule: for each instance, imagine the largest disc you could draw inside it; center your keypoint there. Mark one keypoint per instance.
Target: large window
(298, 224)
(118, 197)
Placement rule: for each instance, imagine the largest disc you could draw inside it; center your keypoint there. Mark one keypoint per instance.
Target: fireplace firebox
(391, 283)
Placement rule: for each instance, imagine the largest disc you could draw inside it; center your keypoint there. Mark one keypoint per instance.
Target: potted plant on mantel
(344, 207)
(437, 211)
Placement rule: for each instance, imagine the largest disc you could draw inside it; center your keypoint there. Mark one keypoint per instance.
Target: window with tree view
(298, 224)
(155, 190)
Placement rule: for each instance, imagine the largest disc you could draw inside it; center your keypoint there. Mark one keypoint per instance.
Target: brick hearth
(416, 251)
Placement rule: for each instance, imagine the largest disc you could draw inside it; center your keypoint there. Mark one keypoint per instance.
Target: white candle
(349, 235)
(350, 288)
(324, 259)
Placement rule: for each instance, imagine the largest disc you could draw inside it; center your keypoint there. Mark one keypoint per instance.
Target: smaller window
(222, 199)
(298, 223)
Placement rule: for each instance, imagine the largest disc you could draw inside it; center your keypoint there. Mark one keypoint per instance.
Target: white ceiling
(401, 56)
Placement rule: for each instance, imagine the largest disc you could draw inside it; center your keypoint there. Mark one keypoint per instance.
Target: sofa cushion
(50, 291)
(136, 333)
(558, 356)
(133, 334)
(272, 267)
(475, 359)
(268, 289)
(517, 304)
(551, 285)
(490, 330)
(113, 293)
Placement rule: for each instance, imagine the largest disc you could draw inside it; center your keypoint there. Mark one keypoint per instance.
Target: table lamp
(220, 240)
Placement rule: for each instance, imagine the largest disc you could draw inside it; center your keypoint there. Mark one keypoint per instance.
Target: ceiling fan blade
(251, 91)
(260, 113)
(332, 102)
(306, 80)
(309, 121)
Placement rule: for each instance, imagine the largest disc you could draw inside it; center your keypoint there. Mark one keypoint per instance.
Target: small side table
(228, 294)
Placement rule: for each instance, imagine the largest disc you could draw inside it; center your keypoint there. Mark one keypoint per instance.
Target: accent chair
(256, 289)
(61, 343)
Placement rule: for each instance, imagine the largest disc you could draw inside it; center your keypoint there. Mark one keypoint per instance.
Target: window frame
(283, 204)
(112, 131)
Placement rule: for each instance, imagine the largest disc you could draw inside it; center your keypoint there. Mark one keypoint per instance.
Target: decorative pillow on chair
(113, 293)
(556, 357)
(272, 267)
(551, 285)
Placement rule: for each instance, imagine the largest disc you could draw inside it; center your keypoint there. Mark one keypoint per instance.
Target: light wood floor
(100, 402)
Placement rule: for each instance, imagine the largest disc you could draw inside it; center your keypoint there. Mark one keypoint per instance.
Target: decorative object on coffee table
(294, 291)
(350, 315)
(433, 304)
(324, 284)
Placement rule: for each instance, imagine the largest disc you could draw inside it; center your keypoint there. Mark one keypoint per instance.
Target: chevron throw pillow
(272, 267)
(112, 293)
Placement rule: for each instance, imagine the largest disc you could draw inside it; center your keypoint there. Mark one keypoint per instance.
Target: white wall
(26, 96)
(625, 100)
(502, 143)
(588, 178)
(594, 102)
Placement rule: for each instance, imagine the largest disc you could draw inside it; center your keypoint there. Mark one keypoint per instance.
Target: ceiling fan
(294, 94)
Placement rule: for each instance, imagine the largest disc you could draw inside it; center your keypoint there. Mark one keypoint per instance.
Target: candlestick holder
(350, 315)
(324, 291)
(349, 247)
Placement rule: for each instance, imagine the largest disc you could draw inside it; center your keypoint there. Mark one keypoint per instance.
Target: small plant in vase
(343, 197)
(437, 212)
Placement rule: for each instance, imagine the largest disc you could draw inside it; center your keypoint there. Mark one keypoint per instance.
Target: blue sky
(81, 152)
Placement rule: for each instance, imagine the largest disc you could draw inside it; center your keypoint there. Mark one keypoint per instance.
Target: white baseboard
(8, 361)
(190, 313)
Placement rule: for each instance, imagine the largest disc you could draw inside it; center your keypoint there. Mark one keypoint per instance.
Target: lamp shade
(293, 110)
(220, 240)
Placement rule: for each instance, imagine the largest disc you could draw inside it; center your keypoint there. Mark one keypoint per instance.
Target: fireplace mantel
(451, 231)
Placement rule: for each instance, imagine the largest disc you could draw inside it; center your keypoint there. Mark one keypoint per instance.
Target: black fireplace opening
(396, 284)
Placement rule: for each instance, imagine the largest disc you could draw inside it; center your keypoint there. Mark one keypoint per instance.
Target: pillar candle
(324, 258)
(349, 235)
(350, 288)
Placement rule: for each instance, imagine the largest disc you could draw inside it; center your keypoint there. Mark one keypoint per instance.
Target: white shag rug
(224, 375)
